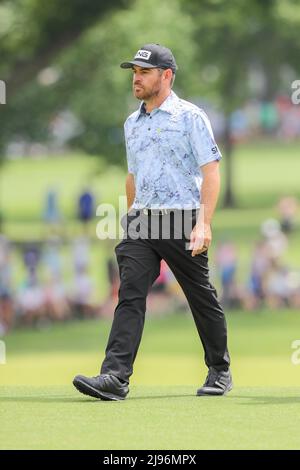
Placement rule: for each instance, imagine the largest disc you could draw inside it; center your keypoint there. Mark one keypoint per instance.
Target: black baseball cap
(152, 56)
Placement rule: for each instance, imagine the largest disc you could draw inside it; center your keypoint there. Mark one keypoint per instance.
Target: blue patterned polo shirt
(165, 152)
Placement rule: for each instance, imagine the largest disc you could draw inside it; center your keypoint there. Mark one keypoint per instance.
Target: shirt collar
(167, 105)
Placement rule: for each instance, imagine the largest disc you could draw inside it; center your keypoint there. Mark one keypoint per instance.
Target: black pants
(139, 266)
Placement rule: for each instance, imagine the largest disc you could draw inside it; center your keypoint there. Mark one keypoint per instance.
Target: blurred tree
(32, 35)
(33, 32)
(85, 78)
(237, 39)
(101, 90)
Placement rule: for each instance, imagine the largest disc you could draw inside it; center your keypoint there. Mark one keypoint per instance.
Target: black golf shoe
(104, 386)
(217, 383)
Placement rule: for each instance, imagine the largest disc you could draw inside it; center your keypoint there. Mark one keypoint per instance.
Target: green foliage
(239, 38)
(32, 34)
(101, 91)
(219, 47)
(32, 27)
(91, 83)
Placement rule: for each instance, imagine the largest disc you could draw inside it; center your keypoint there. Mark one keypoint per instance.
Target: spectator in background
(113, 277)
(160, 285)
(55, 297)
(275, 240)
(226, 262)
(266, 271)
(86, 208)
(6, 294)
(52, 215)
(159, 300)
(108, 306)
(277, 291)
(269, 118)
(81, 253)
(30, 297)
(259, 268)
(51, 257)
(82, 293)
(288, 209)
(31, 257)
(294, 289)
(30, 301)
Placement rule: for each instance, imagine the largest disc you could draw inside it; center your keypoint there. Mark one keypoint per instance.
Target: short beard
(147, 95)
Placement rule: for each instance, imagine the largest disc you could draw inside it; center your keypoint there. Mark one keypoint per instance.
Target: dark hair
(173, 75)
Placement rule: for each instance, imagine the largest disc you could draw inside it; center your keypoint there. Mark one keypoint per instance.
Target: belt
(157, 211)
(147, 211)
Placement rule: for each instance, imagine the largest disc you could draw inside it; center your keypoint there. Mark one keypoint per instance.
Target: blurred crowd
(45, 294)
(255, 119)
(258, 119)
(271, 282)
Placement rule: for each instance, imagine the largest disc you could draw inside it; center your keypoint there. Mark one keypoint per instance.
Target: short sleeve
(202, 140)
(131, 162)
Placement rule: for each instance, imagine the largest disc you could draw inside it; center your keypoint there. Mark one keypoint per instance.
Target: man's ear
(168, 74)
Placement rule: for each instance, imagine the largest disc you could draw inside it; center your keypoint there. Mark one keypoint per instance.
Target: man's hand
(200, 238)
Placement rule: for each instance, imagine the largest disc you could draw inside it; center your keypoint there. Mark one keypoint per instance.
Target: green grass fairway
(153, 418)
(39, 407)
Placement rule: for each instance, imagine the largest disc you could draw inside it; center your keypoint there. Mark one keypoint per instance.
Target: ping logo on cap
(142, 54)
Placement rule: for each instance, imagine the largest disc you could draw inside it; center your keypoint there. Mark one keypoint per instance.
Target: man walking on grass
(173, 182)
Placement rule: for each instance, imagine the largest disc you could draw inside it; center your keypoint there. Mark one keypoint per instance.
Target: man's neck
(156, 101)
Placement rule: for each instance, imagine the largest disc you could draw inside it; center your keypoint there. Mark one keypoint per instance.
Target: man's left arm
(201, 235)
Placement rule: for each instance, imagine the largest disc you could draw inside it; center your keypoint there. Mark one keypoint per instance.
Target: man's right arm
(130, 190)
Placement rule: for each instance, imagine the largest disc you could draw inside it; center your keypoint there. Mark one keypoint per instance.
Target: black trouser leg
(192, 273)
(139, 266)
